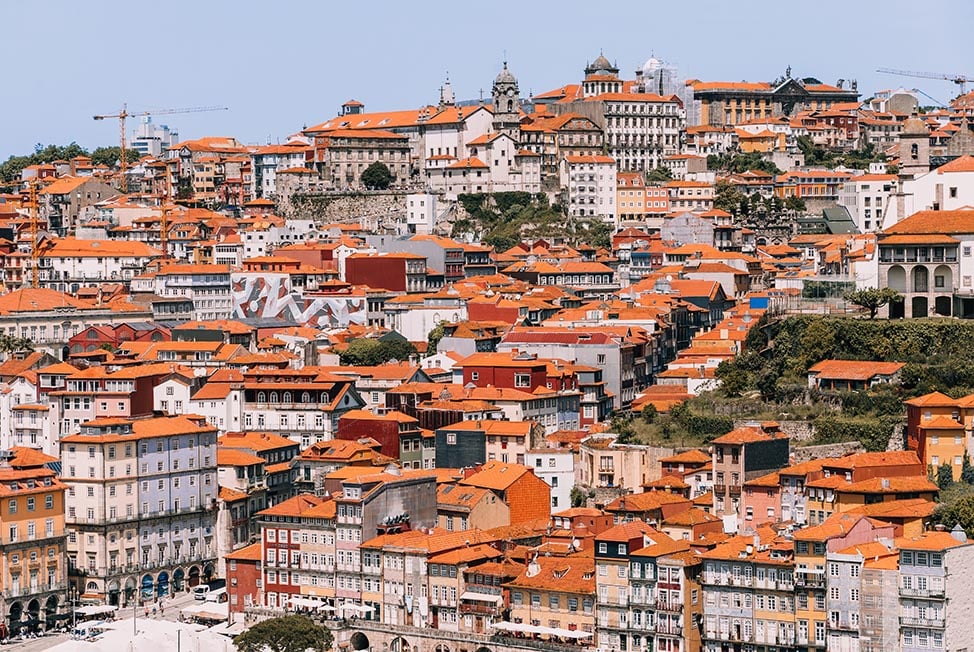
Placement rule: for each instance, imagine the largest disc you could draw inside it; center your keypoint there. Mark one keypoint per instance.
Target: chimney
(939, 527)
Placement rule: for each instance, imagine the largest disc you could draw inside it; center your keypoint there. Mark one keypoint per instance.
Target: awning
(351, 606)
(96, 610)
(482, 597)
(311, 603)
(229, 630)
(569, 633)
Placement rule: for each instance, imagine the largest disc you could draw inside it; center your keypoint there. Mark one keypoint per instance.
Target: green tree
(727, 197)
(578, 497)
(109, 156)
(434, 337)
(959, 511)
(659, 175)
(287, 634)
(967, 470)
(872, 299)
(945, 476)
(12, 344)
(367, 352)
(796, 204)
(622, 426)
(377, 176)
(650, 413)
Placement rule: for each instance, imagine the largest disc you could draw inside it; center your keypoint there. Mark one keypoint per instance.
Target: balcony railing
(911, 621)
(922, 593)
(672, 607)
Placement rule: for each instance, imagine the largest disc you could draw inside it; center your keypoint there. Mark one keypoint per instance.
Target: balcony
(720, 489)
(672, 607)
(669, 629)
(734, 489)
(911, 621)
(478, 609)
(810, 580)
(922, 593)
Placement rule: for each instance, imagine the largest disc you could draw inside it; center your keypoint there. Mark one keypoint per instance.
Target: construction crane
(121, 115)
(960, 80)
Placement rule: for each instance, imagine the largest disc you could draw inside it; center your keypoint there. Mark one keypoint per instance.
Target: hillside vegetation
(769, 380)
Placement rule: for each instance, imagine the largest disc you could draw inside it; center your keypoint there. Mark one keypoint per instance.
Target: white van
(217, 595)
(200, 591)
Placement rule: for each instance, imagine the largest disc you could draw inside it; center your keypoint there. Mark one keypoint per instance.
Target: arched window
(324, 397)
(510, 106)
(287, 397)
(261, 397)
(274, 397)
(305, 397)
(914, 151)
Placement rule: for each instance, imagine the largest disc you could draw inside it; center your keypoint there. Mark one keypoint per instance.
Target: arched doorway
(483, 649)
(33, 615)
(50, 612)
(441, 648)
(921, 279)
(359, 641)
(147, 583)
(399, 644)
(918, 307)
(114, 589)
(129, 590)
(162, 584)
(16, 615)
(194, 576)
(207, 573)
(178, 579)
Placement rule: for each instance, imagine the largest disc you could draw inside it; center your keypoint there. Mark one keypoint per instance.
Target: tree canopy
(377, 176)
(287, 634)
(872, 299)
(369, 352)
(11, 168)
(110, 156)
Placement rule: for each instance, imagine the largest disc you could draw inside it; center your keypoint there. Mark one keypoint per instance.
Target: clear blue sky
(283, 64)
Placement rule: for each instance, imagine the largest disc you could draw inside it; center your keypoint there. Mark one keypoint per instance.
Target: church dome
(601, 63)
(505, 76)
(652, 65)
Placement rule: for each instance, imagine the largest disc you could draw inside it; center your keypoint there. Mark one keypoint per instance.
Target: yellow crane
(123, 114)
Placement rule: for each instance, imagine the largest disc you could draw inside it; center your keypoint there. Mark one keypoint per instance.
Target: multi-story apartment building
(208, 286)
(557, 468)
(741, 455)
(66, 264)
(141, 510)
(34, 575)
(748, 593)
(302, 405)
(555, 592)
(818, 582)
(612, 550)
(935, 595)
(591, 186)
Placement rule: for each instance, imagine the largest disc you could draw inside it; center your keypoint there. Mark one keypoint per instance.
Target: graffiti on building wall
(270, 296)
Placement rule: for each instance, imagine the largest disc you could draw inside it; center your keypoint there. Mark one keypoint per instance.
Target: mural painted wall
(270, 296)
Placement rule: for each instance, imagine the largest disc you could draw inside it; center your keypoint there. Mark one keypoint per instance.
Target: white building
(66, 264)
(208, 286)
(264, 236)
(449, 132)
(152, 140)
(420, 213)
(868, 197)
(590, 182)
(268, 160)
(949, 187)
(557, 468)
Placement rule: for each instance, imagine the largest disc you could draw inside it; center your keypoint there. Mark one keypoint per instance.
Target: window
(522, 380)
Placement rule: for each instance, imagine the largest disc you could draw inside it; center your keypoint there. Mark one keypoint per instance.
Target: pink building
(760, 501)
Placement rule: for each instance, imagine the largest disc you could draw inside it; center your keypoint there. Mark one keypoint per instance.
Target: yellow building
(555, 592)
(33, 582)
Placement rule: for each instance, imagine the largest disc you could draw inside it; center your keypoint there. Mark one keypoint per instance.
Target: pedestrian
(162, 610)
(147, 611)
